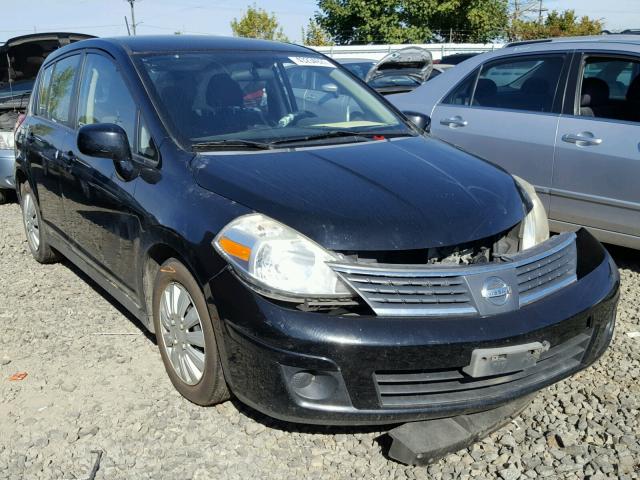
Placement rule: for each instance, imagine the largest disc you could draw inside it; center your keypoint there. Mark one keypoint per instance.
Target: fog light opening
(313, 385)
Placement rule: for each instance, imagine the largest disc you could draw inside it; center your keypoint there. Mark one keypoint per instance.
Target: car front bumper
(382, 370)
(7, 161)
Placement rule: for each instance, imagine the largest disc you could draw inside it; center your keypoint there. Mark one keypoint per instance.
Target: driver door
(97, 192)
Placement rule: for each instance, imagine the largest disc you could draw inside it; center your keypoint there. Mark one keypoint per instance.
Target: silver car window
(610, 88)
(522, 83)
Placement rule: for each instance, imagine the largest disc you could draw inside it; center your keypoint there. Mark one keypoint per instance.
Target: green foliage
(315, 35)
(557, 24)
(412, 21)
(258, 23)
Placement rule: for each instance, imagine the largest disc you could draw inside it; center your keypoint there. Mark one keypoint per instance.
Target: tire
(34, 228)
(188, 345)
(4, 197)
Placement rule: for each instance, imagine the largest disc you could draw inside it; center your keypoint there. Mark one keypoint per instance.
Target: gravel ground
(87, 391)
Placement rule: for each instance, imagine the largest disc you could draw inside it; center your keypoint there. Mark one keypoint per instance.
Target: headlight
(278, 260)
(6, 141)
(535, 226)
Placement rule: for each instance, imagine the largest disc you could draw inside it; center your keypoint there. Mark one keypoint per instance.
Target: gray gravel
(87, 392)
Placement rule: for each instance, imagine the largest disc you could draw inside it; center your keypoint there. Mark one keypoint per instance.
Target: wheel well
(156, 256)
(20, 179)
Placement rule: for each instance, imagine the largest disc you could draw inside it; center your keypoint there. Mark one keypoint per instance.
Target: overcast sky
(106, 17)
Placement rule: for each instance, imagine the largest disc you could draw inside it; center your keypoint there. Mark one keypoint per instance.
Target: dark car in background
(20, 61)
(455, 58)
(325, 261)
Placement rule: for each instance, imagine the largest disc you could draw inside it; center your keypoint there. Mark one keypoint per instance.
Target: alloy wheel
(31, 223)
(182, 336)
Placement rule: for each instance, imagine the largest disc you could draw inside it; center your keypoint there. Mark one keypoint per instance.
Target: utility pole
(540, 10)
(133, 16)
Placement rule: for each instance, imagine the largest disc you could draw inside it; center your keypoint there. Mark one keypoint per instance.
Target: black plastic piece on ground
(420, 443)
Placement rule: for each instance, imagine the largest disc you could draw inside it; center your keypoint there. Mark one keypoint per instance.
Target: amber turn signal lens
(235, 249)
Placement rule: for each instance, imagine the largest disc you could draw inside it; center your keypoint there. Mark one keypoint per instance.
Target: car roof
(172, 43)
(611, 38)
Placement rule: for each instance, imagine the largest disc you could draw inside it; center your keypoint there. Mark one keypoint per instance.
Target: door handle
(454, 122)
(582, 139)
(65, 158)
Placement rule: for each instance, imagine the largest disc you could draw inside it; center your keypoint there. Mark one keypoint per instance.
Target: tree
(556, 24)
(315, 35)
(412, 21)
(258, 23)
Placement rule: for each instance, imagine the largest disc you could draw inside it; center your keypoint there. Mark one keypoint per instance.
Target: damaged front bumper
(381, 369)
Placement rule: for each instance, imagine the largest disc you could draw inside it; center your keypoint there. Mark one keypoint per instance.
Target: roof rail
(527, 42)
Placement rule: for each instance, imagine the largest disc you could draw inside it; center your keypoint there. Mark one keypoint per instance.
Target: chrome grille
(435, 290)
(411, 389)
(538, 278)
(390, 295)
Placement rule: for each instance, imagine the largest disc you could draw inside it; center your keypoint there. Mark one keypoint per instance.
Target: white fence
(376, 52)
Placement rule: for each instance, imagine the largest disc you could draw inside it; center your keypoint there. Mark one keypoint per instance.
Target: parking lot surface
(95, 383)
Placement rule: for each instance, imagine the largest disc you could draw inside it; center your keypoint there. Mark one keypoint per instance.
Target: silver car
(563, 114)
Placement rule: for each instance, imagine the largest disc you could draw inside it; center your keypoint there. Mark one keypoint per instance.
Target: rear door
(50, 135)
(595, 180)
(507, 111)
(98, 194)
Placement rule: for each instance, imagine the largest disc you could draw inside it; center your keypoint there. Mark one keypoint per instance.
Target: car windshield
(258, 98)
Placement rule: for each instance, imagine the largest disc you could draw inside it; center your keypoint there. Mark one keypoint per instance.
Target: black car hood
(405, 194)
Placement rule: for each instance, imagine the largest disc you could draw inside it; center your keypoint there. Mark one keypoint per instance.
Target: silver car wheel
(182, 336)
(31, 223)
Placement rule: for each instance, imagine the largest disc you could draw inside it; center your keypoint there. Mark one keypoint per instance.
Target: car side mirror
(330, 88)
(420, 120)
(104, 140)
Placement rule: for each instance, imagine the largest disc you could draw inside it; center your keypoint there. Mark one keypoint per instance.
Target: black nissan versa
(301, 244)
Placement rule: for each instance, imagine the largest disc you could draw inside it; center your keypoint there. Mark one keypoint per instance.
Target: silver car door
(507, 112)
(595, 181)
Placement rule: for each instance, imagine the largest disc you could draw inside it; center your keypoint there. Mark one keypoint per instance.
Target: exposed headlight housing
(279, 261)
(535, 226)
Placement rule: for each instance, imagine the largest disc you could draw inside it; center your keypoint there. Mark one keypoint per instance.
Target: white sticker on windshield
(312, 61)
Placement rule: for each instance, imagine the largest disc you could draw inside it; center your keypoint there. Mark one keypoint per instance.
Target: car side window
(524, 83)
(43, 92)
(105, 98)
(610, 88)
(463, 93)
(61, 89)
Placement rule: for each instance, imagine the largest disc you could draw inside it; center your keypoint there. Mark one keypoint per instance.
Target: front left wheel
(185, 336)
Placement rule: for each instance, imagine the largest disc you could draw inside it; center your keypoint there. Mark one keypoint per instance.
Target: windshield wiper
(363, 135)
(325, 135)
(231, 143)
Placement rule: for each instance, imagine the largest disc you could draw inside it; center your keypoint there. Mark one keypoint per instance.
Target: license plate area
(486, 362)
